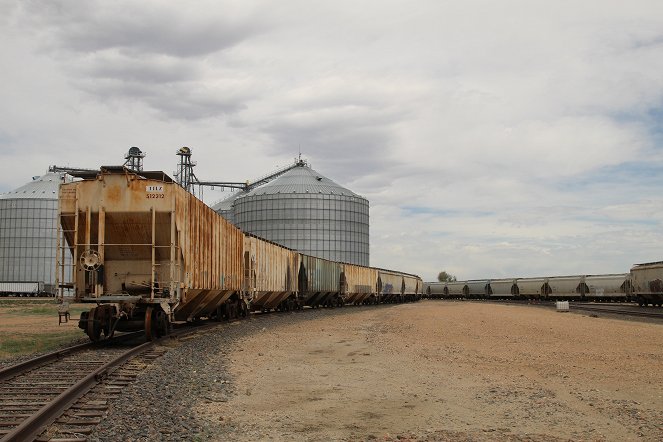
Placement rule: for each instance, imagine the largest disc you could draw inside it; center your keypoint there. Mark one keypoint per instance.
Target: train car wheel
(149, 335)
(162, 324)
(93, 327)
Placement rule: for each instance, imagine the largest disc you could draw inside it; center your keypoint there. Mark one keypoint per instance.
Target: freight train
(148, 253)
(643, 284)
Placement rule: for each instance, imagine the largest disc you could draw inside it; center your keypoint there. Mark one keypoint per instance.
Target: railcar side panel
(532, 287)
(319, 280)
(647, 281)
(147, 238)
(435, 290)
(391, 286)
(567, 287)
(503, 288)
(271, 272)
(457, 289)
(477, 289)
(608, 287)
(360, 284)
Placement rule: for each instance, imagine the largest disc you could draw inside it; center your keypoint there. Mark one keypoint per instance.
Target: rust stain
(113, 195)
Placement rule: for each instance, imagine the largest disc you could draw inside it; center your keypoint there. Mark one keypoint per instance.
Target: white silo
(28, 236)
(305, 211)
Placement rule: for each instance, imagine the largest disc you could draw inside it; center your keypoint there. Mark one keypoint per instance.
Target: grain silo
(28, 236)
(305, 211)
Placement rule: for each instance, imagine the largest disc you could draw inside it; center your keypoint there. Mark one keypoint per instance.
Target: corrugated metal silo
(308, 212)
(28, 236)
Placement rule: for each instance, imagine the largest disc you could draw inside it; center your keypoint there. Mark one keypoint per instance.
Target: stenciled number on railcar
(156, 192)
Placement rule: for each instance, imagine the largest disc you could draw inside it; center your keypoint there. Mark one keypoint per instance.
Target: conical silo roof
(43, 187)
(227, 203)
(302, 179)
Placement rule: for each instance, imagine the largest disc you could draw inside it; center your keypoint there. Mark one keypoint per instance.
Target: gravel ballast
(432, 370)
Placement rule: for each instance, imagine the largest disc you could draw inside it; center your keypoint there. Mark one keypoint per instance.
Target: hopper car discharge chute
(146, 253)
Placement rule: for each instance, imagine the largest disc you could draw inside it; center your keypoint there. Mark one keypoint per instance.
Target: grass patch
(51, 310)
(26, 343)
(10, 302)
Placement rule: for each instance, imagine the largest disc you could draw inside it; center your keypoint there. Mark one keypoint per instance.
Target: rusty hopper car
(319, 282)
(647, 283)
(146, 252)
(271, 275)
(359, 284)
(413, 287)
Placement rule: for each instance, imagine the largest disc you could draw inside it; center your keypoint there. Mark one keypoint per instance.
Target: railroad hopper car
(533, 288)
(391, 286)
(435, 290)
(414, 286)
(147, 252)
(270, 275)
(319, 282)
(611, 287)
(477, 289)
(566, 287)
(398, 287)
(359, 284)
(503, 288)
(21, 289)
(456, 289)
(647, 283)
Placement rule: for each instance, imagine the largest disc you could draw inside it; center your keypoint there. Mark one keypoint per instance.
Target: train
(642, 284)
(27, 289)
(147, 253)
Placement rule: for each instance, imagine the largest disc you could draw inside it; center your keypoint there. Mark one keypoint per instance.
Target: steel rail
(658, 315)
(35, 424)
(22, 367)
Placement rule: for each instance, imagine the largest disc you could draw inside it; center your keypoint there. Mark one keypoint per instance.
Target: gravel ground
(426, 371)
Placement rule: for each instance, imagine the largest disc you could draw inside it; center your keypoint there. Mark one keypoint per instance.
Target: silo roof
(227, 203)
(43, 187)
(302, 179)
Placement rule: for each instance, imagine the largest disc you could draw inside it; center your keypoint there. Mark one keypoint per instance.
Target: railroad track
(62, 396)
(35, 393)
(612, 308)
(618, 311)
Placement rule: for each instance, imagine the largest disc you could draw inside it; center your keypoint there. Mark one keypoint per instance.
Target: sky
(492, 138)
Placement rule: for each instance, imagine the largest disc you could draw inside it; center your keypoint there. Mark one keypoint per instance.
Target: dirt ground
(16, 315)
(439, 370)
(30, 325)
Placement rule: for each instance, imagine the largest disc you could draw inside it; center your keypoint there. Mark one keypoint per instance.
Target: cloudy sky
(492, 138)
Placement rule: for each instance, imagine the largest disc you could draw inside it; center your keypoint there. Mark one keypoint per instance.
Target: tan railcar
(271, 274)
(359, 284)
(148, 251)
(413, 287)
(647, 283)
(391, 286)
(319, 281)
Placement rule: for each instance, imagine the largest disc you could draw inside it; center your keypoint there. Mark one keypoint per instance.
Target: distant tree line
(446, 277)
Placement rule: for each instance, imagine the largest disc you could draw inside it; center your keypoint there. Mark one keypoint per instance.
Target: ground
(30, 325)
(439, 370)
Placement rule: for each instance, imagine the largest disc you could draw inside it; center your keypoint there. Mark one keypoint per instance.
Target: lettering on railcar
(67, 193)
(154, 192)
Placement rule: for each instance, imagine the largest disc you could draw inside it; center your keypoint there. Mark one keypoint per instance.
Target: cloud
(147, 27)
(492, 139)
